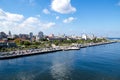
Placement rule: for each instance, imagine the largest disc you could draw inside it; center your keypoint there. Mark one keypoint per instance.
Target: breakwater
(30, 52)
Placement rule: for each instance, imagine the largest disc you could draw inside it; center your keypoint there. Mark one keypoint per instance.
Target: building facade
(31, 36)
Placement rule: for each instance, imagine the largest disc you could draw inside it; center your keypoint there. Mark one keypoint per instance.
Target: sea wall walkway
(22, 53)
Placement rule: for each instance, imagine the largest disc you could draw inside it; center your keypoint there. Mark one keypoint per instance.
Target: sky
(70, 17)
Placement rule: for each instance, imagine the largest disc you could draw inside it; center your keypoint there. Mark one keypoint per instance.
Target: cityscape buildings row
(8, 39)
(31, 37)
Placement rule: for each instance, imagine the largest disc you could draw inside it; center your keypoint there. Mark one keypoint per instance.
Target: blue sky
(99, 17)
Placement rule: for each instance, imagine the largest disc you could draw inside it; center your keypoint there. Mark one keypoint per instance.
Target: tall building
(9, 34)
(39, 36)
(31, 36)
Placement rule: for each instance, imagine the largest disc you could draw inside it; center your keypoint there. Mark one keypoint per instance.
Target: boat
(74, 48)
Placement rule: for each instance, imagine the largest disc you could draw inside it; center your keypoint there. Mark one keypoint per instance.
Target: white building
(37, 38)
(91, 37)
(51, 36)
(84, 36)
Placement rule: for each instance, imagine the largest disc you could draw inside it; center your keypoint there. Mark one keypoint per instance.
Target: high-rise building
(9, 34)
(39, 36)
(31, 36)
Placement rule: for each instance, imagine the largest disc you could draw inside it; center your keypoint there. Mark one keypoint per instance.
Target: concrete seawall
(6, 55)
(23, 55)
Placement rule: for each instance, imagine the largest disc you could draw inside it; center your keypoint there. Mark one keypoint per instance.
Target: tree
(17, 41)
(36, 43)
(27, 43)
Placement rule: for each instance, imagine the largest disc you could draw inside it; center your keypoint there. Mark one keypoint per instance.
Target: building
(84, 36)
(3, 40)
(62, 36)
(24, 36)
(31, 36)
(39, 36)
(15, 36)
(7, 44)
(91, 37)
(2, 35)
(51, 36)
(10, 35)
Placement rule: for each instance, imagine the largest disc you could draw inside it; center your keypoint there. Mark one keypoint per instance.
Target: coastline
(23, 53)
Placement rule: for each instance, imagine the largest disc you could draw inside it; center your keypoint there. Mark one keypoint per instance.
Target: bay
(91, 63)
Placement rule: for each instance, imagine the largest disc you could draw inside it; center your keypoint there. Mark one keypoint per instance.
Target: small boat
(74, 48)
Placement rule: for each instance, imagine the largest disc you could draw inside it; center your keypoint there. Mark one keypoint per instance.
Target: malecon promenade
(22, 53)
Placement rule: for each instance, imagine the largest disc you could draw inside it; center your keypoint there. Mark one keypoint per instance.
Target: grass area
(45, 43)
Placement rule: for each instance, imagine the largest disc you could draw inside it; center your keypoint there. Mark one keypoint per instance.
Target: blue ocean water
(91, 63)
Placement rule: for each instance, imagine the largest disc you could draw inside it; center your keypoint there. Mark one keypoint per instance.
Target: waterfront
(29, 52)
(91, 63)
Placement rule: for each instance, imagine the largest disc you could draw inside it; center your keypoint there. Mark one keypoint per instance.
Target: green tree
(27, 43)
(17, 41)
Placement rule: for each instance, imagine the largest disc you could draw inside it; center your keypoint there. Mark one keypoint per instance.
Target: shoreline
(23, 53)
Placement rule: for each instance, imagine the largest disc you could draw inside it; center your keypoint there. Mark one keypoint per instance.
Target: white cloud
(19, 24)
(62, 6)
(9, 20)
(10, 17)
(46, 11)
(32, 22)
(48, 25)
(57, 17)
(69, 20)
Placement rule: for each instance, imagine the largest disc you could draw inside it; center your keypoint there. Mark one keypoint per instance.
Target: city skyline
(99, 17)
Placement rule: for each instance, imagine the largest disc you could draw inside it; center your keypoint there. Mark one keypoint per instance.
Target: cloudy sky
(99, 17)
